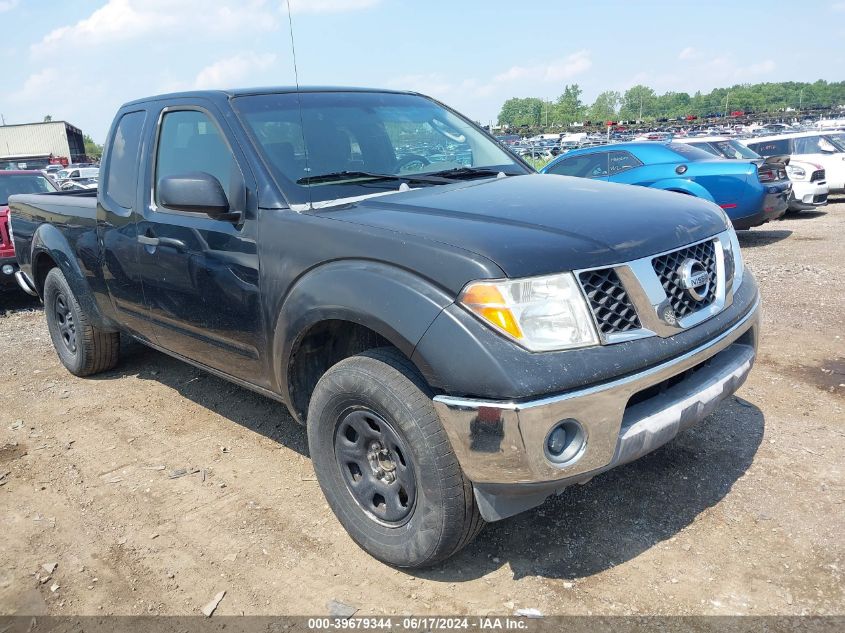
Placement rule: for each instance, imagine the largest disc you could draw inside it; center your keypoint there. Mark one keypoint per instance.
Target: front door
(200, 274)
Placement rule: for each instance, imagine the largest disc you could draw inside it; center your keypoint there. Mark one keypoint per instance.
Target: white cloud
(7, 5)
(125, 20)
(225, 73)
(688, 53)
(557, 70)
(330, 6)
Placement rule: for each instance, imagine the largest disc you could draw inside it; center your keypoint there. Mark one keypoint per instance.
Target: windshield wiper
(337, 176)
(460, 173)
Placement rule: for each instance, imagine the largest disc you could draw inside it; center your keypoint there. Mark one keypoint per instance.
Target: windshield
(345, 144)
(13, 184)
(822, 144)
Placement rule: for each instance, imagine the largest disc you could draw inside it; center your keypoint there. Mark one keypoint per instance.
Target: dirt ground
(743, 514)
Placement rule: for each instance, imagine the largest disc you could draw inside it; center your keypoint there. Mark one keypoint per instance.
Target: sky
(79, 61)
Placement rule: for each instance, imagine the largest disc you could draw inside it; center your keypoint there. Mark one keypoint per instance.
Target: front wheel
(385, 464)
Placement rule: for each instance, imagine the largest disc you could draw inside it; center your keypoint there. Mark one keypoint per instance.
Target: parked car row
(750, 193)
(11, 183)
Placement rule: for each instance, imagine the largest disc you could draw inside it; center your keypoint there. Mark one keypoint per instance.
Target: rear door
(201, 274)
(117, 215)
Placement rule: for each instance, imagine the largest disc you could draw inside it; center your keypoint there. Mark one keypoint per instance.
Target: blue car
(749, 194)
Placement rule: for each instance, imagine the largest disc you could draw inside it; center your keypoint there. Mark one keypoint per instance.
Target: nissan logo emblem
(694, 279)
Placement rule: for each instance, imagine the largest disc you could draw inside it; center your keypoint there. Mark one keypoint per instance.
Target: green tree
(638, 103)
(604, 107)
(569, 108)
(48, 118)
(518, 112)
(92, 149)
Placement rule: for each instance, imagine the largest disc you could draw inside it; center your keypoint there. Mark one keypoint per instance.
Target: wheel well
(41, 266)
(323, 345)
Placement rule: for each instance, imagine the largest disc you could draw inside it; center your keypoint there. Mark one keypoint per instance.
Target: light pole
(727, 96)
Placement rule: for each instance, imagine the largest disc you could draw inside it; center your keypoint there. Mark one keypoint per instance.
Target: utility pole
(800, 99)
(727, 96)
(641, 107)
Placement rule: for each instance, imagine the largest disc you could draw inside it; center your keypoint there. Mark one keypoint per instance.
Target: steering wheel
(410, 159)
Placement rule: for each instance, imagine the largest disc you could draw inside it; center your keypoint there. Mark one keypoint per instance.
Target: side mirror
(196, 192)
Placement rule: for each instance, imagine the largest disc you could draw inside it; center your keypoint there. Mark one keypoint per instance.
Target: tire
(439, 515)
(82, 348)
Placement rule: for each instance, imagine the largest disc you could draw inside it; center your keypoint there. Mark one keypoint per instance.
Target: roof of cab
(242, 92)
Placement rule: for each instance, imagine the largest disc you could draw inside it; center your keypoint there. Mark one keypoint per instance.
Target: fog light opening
(565, 442)
(8, 269)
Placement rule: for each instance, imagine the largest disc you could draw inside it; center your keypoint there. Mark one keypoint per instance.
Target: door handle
(172, 242)
(148, 241)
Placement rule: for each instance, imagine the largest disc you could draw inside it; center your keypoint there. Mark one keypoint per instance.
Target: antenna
(293, 48)
(298, 99)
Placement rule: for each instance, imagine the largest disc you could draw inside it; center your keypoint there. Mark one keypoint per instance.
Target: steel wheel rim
(377, 466)
(66, 323)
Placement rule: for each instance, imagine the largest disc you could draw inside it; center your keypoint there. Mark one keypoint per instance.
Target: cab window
(583, 166)
(189, 141)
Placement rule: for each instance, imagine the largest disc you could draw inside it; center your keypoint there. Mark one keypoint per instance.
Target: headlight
(540, 313)
(736, 256)
(796, 173)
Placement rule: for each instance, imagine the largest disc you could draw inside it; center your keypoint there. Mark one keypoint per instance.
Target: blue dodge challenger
(749, 194)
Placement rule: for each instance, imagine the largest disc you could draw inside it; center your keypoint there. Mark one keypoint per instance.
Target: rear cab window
(123, 159)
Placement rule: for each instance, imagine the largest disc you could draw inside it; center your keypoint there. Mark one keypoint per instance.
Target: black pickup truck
(461, 336)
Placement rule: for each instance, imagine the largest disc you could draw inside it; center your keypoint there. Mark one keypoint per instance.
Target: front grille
(667, 267)
(817, 175)
(610, 303)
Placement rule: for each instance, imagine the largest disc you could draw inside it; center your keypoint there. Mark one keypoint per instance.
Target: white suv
(825, 150)
(809, 187)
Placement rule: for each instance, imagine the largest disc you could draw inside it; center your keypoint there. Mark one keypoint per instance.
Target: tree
(92, 149)
(604, 107)
(638, 103)
(568, 108)
(48, 118)
(522, 112)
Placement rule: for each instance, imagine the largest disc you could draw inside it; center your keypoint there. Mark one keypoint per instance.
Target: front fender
(48, 243)
(683, 186)
(391, 301)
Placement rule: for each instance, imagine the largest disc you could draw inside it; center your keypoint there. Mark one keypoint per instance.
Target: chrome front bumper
(502, 443)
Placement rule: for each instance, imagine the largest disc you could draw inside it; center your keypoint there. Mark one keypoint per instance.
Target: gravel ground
(741, 515)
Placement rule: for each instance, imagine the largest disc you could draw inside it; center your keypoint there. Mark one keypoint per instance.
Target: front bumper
(501, 444)
(807, 195)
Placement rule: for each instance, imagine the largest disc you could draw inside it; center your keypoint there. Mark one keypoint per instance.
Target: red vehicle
(737, 113)
(12, 182)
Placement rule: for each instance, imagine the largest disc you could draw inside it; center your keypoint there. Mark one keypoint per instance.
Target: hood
(538, 224)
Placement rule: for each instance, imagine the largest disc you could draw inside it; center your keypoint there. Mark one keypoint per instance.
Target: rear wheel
(385, 464)
(82, 348)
